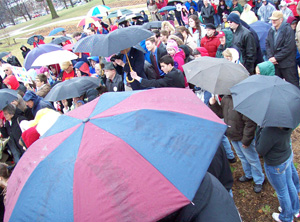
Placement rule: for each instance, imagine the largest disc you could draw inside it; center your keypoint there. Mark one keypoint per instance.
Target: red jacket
(67, 76)
(211, 44)
(35, 44)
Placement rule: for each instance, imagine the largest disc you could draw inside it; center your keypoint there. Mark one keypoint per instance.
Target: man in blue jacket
(190, 3)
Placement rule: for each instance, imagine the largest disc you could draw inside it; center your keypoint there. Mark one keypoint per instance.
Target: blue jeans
(250, 161)
(217, 20)
(280, 177)
(295, 177)
(180, 21)
(227, 147)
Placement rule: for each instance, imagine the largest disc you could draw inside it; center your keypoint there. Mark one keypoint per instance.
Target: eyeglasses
(5, 70)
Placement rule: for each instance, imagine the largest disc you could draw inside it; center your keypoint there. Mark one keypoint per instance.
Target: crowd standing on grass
(203, 28)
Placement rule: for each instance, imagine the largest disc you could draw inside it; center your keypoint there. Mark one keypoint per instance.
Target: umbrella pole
(101, 70)
(129, 81)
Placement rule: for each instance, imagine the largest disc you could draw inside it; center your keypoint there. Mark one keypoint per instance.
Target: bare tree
(51, 7)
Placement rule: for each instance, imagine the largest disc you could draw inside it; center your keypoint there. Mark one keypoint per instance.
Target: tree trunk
(71, 3)
(65, 3)
(52, 9)
(28, 14)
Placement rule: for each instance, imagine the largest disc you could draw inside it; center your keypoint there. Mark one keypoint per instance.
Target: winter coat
(286, 12)
(211, 200)
(39, 102)
(240, 127)
(245, 41)
(284, 47)
(266, 68)
(192, 4)
(185, 18)
(207, 14)
(174, 78)
(228, 43)
(13, 130)
(211, 44)
(153, 12)
(203, 51)
(179, 60)
(222, 9)
(24, 53)
(161, 51)
(265, 12)
(13, 60)
(237, 7)
(293, 7)
(116, 85)
(40, 42)
(12, 82)
(196, 36)
(145, 17)
(190, 42)
(43, 91)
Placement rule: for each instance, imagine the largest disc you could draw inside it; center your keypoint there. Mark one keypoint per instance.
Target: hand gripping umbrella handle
(132, 80)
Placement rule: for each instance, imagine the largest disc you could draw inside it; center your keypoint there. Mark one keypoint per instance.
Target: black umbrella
(2, 54)
(7, 96)
(172, 2)
(30, 40)
(72, 88)
(268, 100)
(61, 39)
(129, 16)
(112, 43)
(152, 25)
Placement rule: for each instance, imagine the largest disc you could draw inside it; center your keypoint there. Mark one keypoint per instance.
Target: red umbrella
(68, 47)
(88, 20)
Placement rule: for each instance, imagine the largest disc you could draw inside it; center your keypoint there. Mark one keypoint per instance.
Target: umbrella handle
(132, 80)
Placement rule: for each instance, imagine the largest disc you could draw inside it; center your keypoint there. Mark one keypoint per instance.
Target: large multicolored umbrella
(99, 10)
(126, 156)
(36, 52)
(88, 20)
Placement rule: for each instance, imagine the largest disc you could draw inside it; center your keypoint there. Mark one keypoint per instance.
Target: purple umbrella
(36, 52)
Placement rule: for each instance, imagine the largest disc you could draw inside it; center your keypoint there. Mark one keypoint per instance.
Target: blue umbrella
(30, 40)
(36, 52)
(262, 30)
(55, 31)
(167, 8)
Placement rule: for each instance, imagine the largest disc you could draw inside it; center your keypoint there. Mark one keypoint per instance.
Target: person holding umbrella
(37, 41)
(241, 132)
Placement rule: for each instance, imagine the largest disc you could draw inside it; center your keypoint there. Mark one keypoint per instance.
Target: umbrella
(118, 13)
(72, 88)
(268, 100)
(262, 30)
(55, 31)
(3, 54)
(128, 16)
(99, 10)
(214, 74)
(61, 39)
(126, 156)
(107, 45)
(7, 96)
(68, 47)
(54, 57)
(172, 2)
(167, 8)
(30, 40)
(88, 20)
(152, 25)
(36, 52)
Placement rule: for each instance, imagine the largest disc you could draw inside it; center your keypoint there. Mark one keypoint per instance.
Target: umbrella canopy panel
(54, 57)
(7, 96)
(55, 31)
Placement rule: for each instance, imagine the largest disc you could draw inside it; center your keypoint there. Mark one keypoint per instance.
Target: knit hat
(291, 20)
(234, 18)
(172, 44)
(210, 26)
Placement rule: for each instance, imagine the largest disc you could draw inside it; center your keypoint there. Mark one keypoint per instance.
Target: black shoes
(257, 188)
(245, 179)
(233, 160)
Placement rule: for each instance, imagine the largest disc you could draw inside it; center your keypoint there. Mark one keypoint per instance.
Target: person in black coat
(25, 51)
(211, 203)
(13, 60)
(173, 77)
(207, 13)
(243, 39)
(144, 16)
(11, 129)
(281, 51)
(136, 60)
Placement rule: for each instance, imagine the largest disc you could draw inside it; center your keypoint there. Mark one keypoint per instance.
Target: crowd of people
(221, 29)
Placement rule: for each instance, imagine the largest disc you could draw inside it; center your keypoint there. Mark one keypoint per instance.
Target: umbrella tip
(86, 120)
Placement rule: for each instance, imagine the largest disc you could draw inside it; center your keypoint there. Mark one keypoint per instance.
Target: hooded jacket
(12, 81)
(39, 102)
(283, 46)
(248, 16)
(266, 68)
(24, 53)
(211, 44)
(83, 67)
(265, 12)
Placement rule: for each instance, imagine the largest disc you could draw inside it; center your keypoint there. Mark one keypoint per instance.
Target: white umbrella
(54, 57)
(99, 10)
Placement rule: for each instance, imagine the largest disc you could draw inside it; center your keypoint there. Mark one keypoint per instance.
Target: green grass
(266, 209)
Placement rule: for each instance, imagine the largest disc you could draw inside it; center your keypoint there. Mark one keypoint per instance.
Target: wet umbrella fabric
(55, 31)
(118, 13)
(107, 45)
(54, 57)
(172, 2)
(214, 74)
(30, 40)
(129, 16)
(262, 30)
(61, 39)
(167, 8)
(99, 10)
(3, 54)
(7, 96)
(152, 25)
(268, 100)
(36, 52)
(72, 88)
(109, 160)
